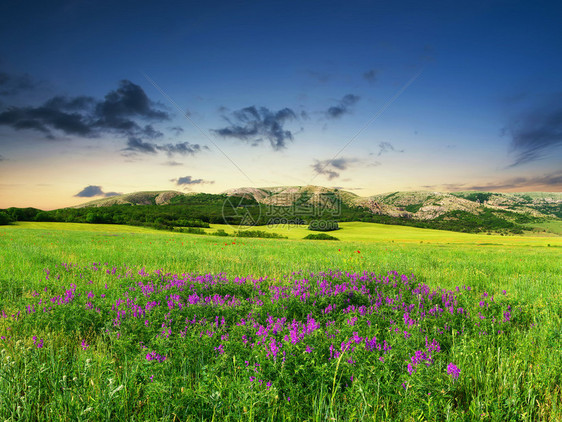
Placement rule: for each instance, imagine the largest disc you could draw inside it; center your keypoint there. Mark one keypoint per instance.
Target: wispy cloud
(332, 168)
(92, 191)
(550, 182)
(343, 107)
(137, 145)
(172, 163)
(321, 77)
(177, 130)
(371, 75)
(253, 125)
(188, 180)
(11, 84)
(536, 133)
(385, 147)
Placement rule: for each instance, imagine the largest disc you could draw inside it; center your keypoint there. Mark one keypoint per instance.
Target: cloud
(137, 145)
(188, 180)
(85, 116)
(537, 132)
(91, 191)
(183, 148)
(550, 181)
(332, 168)
(177, 130)
(45, 119)
(252, 124)
(321, 77)
(386, 147)
(14, 84)
(371, 75)
(126, 102)
(172, 163)
(2, 158)
(343, 107)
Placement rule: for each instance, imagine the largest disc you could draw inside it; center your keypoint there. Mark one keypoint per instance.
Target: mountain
(471, 211)
(419, 205)
(136, 198)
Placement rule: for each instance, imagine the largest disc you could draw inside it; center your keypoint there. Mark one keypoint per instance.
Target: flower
(453, 371)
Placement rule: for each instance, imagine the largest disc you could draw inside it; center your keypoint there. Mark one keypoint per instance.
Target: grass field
(390, 323)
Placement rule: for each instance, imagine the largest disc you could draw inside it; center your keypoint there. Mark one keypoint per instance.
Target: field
(390, 323)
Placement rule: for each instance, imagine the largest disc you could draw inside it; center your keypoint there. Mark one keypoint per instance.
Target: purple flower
(39, 343)
(85, 345)
(411, 369)
(453, 371)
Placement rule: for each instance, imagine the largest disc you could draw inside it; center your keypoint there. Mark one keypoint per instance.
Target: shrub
(259, 233)
(220, 232)
(4, 218)
(320, 236)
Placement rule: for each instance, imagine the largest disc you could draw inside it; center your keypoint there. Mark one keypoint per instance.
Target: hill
(471, 211)
(421, 205)
(135, 198)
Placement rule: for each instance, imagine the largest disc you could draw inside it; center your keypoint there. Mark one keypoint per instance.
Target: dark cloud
(150, 132)
(371, 75)
(87, 117)
(177, 130)
(80, 103)
(253, 124)
(14, 84)
(536, 133)
(44, 119)
(386, 147)
(2, 158)
(188, 180)
(91, 191)
(120, 106)
(551, 181)
(183, 148)
(332, 168)
(343, 107)
(137, 145)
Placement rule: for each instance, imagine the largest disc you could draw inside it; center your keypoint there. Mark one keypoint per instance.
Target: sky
(99, 98)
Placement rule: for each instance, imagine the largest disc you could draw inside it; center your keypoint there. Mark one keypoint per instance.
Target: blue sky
(367, 96)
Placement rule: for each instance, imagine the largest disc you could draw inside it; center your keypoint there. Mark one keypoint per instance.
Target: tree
(4, 218)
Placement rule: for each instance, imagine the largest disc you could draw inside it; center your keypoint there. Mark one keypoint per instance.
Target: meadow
(113, 322)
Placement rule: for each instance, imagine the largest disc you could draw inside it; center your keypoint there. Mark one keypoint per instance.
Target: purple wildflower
(453, 371)
(411, 369)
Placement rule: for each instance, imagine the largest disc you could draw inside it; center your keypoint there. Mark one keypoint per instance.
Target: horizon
(369, 98)
(110, 196)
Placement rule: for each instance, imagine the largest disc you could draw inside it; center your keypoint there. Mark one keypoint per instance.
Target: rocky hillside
(136, 198)
(419, 205)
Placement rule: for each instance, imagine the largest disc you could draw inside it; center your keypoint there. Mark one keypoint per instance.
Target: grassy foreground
(109, 322)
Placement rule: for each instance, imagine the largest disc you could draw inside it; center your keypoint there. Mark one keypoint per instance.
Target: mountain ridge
(420, 205)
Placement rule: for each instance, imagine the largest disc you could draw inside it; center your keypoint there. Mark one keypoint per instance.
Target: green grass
(546, 228)
(514, 375)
